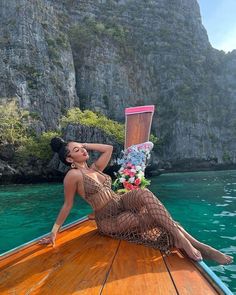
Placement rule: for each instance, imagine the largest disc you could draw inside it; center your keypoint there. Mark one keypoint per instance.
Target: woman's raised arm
(104, 158)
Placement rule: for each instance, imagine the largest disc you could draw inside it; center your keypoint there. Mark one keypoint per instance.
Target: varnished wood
(86, 269)
(31, 268)
(138, 270)
(84, 262)
(137, 128)
(186, 277)
(63, 237)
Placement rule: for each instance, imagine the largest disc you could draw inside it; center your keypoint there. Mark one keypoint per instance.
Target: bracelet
(55, 228)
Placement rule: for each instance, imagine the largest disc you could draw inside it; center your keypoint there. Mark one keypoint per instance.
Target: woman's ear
(69, 159)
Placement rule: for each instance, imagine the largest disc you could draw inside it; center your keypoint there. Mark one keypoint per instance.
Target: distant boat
(85, 262)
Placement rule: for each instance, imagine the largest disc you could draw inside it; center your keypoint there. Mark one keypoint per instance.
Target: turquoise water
(29, 211)
(203, 202)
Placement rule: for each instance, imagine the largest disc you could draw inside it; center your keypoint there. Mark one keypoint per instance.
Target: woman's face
(76, 152)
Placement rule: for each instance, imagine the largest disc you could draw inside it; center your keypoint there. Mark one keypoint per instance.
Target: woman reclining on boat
(136, 216)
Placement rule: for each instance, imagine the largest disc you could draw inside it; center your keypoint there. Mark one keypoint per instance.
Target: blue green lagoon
(203, 202)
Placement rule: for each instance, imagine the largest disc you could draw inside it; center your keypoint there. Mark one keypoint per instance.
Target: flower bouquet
(130, 176)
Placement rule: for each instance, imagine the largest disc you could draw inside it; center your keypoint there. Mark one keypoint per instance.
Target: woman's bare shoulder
(73, 175)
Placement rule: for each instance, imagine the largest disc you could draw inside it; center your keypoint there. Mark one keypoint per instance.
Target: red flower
(128, 185)
(137, 181)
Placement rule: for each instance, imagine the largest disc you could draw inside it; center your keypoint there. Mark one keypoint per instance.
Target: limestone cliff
(106, 55)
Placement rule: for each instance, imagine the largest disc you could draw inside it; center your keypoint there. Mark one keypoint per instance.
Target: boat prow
(85, 262)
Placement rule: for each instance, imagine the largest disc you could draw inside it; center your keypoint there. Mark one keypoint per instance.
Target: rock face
(36, 59)
(36, 170)
(81, 133)
(107, 55)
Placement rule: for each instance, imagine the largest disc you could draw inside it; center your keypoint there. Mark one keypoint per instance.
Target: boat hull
(85, 262)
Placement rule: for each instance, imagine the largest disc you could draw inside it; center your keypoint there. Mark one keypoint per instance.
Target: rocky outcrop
(35, 170)
(32, 170)
(110, 54)
(81, 133)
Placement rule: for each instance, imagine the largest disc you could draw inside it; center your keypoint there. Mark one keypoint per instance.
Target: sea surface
(203, 202)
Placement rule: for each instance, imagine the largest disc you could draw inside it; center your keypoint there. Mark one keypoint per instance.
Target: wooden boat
(84, 262)
(138, 122)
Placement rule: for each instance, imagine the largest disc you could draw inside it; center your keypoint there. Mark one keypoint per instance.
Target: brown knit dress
(136, 216)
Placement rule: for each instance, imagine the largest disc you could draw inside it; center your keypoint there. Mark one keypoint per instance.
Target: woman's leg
(194, 248)
(158, 214)
(207, 251)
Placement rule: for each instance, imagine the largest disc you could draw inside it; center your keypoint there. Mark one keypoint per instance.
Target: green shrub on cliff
(13, 127)
(90, 32)
(37, 146)
(226, 157)
(89, 118)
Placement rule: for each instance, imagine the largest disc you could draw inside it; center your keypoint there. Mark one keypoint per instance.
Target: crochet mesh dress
(136, 216)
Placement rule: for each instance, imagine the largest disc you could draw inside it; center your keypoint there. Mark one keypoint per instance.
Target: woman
(136, 216)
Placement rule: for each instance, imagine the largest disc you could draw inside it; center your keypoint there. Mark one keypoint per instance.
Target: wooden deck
(84, 262)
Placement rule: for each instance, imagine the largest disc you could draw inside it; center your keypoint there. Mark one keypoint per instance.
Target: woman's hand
(48, 240)
(91, 216)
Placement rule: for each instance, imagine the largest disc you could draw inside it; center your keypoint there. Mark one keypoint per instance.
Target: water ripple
(226, 213)
(229, 250)
(230, 238)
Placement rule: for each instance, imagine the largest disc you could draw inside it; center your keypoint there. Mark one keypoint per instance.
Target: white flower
(122, 179)
(131, 180)
(133, 170)
(138, 167)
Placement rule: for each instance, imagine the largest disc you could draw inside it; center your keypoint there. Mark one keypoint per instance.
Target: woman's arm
(69, 194)
(104, 158)
(70, 186)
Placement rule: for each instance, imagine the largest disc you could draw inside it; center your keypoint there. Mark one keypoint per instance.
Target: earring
(72, 165)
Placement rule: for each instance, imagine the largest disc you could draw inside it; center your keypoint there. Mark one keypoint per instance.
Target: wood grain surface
(85, 262)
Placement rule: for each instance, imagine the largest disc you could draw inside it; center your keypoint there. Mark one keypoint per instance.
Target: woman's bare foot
(192, 252)
(211, 253)
(207, 251)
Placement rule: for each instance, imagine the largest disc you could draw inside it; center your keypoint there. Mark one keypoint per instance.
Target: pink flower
(132, 174)
(126, 172)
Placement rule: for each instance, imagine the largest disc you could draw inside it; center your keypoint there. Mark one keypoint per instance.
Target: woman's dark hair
(59, 146)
